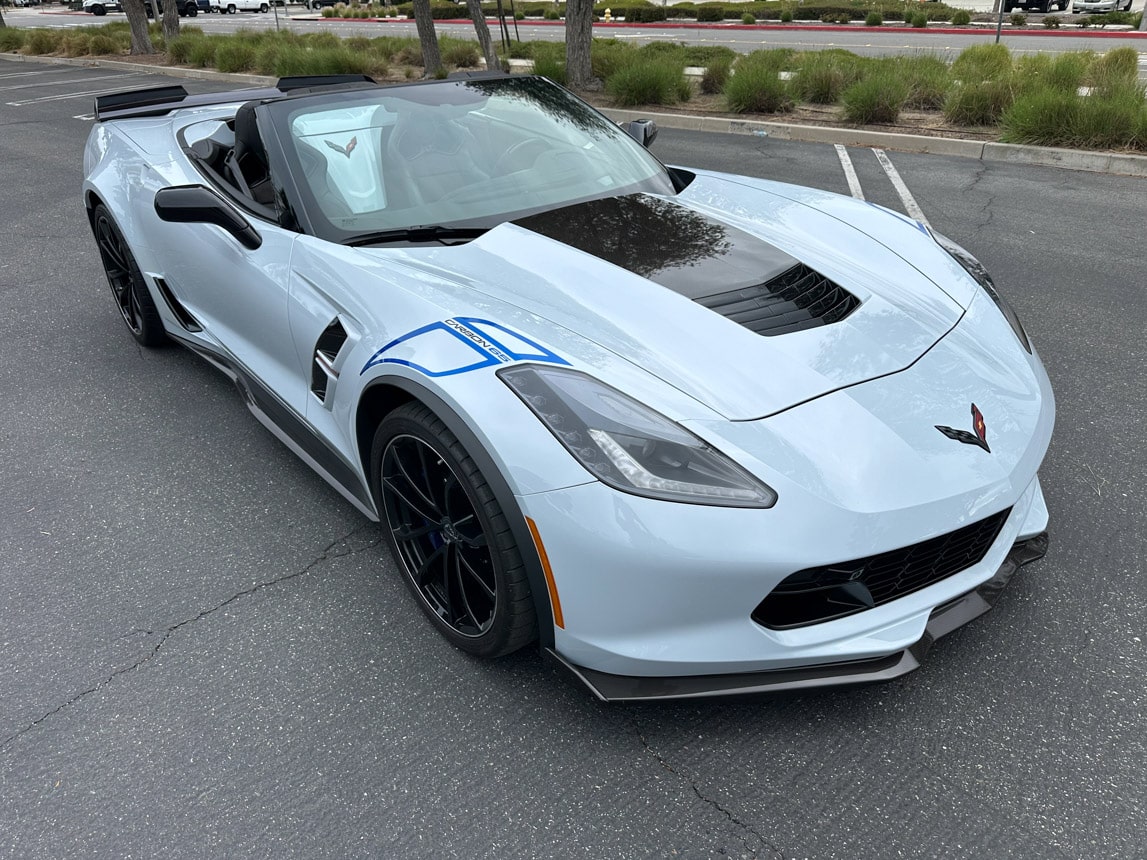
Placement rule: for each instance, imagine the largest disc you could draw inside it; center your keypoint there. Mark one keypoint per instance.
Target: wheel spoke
(389, 484)
(424, 573)
(462, 597)
(408, 532)
(398, 461)
(477, 577)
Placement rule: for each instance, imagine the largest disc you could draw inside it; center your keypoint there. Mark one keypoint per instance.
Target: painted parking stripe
(66, 96)
(55, 71)
(906, 197)
(57, 81)
(849, 171)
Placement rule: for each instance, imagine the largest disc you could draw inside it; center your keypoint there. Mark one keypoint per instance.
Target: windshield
(470, 153)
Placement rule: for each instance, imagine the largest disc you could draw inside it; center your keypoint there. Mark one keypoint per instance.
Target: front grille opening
(834, 591)
(326, 350)
(797, 299)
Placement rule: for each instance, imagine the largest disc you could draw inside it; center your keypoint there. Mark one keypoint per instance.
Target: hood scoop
(737, 275)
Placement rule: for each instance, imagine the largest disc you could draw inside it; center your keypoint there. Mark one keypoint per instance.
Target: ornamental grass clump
(979, 103)
(877, 98)
(657, 82)
(757, 88)
(43, 41)
(550, 61)
(235, 56)
(928, 80)
(716, 76)
(982, 62)
(1112, 72)
(822, 76)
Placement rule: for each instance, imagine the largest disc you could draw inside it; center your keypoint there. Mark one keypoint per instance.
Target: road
(863, 40)
(207, 654)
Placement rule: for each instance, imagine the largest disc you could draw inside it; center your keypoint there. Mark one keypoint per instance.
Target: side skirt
(290, 429)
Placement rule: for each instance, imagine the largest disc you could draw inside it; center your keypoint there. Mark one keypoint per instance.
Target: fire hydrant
(608, 16)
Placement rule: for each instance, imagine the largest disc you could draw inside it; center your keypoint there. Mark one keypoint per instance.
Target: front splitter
(944, 619)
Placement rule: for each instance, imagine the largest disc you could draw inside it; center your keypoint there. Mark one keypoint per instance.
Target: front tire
(126, 281)
(230, 8)
(449, 535)
(99, 10)
(264, 8)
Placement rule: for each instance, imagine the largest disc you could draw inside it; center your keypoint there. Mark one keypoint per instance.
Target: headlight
(976, 269)
(629, 446)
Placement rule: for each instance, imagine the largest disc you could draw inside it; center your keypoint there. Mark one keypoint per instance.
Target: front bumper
(942, 621)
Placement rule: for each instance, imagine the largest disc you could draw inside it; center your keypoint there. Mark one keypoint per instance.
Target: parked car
(102, 7)
(692, 433)
(232, 6)
(1037, 5)
(1101, 6)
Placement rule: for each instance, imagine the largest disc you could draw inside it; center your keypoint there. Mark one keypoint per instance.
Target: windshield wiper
(426, 233)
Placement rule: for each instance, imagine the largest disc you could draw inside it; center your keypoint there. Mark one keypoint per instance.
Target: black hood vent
(792, 301)
(729, 271)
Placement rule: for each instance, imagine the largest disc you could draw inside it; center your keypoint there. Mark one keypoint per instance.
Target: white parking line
(849, 171)
(31, 74)
(74, 95)
(56, 81)
(905, 195)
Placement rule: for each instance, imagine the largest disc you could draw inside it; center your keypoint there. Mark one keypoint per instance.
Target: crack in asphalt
(754, 851)
(986, 213)
(328, 554)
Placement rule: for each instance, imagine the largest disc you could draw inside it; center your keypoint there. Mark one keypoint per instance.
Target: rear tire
(126, 281)
(98, 10)
(264, 8)
(230, 8)
(449, 536)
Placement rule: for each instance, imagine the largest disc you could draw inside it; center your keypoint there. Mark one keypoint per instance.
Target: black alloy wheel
(126, 281)
(449, 535)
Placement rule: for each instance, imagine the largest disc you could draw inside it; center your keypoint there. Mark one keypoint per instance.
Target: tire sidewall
(417, 421)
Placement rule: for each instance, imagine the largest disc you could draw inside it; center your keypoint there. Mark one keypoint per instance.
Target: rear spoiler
(159, 101)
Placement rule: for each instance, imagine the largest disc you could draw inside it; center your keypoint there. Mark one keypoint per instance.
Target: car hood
(679, 287)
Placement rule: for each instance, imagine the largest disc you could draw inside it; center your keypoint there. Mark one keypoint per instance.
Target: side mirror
(644, 131)
(196, 204)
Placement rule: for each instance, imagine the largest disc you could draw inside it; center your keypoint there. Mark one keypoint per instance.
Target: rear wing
(158, 101)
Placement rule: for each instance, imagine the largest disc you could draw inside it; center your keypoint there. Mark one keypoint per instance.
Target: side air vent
(823, 593)
(181, 314)
(323, 372)
(797, 299)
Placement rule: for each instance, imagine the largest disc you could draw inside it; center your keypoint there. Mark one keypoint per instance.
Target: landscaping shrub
(709, 12)
(1084, 22)
(755, 88)
(982, 62)
(1114, 70)
(1051, 22)
(235, 56)
(919, 20)
(461, 56)
(202, 53)
(655, 82)
(927, 78)
(748, 18)
(786, 16)
(877, 98)
(873, 19)
(77, 44)
(103, 44)
(961, 18)
(1018, 19)
(42, 41)
(823, 75)
(716, 76)
(551, 15)
(979, 103)
(11, 39)
(1043, 116)
(550, 61)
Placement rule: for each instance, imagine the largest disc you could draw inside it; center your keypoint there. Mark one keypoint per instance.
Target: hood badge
(978, 438)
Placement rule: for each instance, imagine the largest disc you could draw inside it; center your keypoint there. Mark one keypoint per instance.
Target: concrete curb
(1045, 156)
(1068, 159)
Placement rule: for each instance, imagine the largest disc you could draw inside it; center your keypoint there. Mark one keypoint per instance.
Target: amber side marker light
(549, 572)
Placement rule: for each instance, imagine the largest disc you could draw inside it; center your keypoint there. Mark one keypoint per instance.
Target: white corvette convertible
(692, 433)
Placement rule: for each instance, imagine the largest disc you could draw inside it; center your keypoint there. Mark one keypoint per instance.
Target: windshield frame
(276, 117)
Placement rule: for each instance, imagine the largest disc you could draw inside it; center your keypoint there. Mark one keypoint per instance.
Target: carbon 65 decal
(460, 345)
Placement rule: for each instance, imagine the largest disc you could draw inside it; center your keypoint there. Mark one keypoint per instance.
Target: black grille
(794, 300)
(833, 591)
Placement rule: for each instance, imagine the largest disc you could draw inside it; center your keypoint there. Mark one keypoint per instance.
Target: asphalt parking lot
(208, 654)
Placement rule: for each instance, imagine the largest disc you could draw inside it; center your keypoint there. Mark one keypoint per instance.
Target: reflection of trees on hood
(642, 234)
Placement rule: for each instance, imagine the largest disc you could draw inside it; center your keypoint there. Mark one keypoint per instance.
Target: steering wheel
(520, 156)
